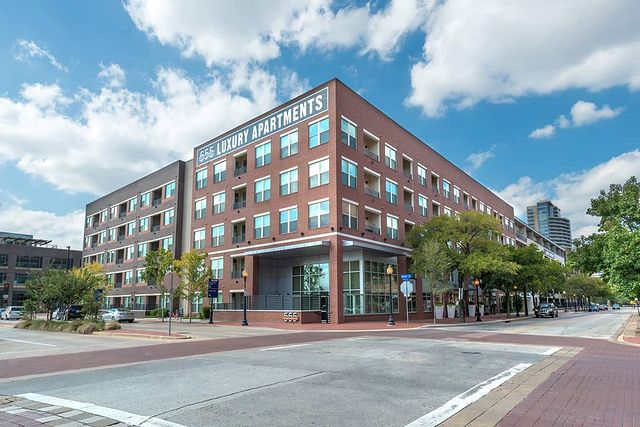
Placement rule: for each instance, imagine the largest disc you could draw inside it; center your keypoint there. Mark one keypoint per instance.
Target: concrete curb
(629, 330)
(474, 323)
(142, 335)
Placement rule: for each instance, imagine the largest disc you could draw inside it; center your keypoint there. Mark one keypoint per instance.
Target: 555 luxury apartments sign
(290, 115)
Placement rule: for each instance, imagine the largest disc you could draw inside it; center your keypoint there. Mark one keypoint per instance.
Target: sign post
(407, 287)
(212, 292)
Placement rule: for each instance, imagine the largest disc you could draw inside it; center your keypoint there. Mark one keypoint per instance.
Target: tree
(157, 265)
(593, 288)
(92, 284)
(431, 261)
(53, 288)
(194, 276)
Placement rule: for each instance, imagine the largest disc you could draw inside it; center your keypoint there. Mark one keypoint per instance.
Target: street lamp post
(526, 300)
(476, 283)
(245, 274)
(68, 257)
(565, 300)
(391, 322)
(515, 300)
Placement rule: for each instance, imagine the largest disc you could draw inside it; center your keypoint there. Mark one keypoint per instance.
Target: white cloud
(112, 75)
(572, 192)
(494, 50)
(225, 32)
(476, 160)
(582, 113)
(544, 132)
(117, 135)
(27, 49)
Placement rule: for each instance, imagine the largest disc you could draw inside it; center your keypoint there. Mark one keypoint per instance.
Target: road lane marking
(550, 351)
(115, 414)
(28, 342)
(281, 347)
(466, 398)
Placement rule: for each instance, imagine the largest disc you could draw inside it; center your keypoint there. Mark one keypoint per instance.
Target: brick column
(252, 265)
(336, 297)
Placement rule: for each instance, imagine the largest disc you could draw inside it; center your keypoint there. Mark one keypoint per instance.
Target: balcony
(407, 174)
(119, 260)
(155, 228)
(370, 154)
(372, 228)
(156, 202)
(121, 237)
(372, 192)
(239, 171)
(236, 274)
(240, 204)
(238, 238)
(408, 206)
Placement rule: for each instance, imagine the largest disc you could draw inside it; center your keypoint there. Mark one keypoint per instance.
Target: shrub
(112, 326)
(86, 329)
(205, 312)
(24, 324)
(158, 311)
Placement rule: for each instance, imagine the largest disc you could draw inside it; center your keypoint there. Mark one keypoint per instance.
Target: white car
(118, 315)
(13, 312)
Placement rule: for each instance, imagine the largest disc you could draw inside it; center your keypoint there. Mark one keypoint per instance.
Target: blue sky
(535, 101)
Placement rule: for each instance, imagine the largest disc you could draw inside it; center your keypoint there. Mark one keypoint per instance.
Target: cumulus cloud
(224, 32)
(115, 135)
(476, 160)
(494, 50)
(582, 113)
(572, 192)
(112, 75)
(27, 49)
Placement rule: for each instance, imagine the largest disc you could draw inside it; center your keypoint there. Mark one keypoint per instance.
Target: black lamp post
(476, 284)
(526, 300)
(68, 257)
(575, 304)
(245, 274)
(515, 300)
(565, 300)
(391, 322)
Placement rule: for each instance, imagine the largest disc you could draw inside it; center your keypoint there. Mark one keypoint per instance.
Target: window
(111, 233)
(131, 228)
(143, 249)
(4, 260)
(218, 203)
(167, 243)
(26, 261)
(139, 278)
(170, 189)
(446, 188)
(217, 235)
(263, 154)
(348, 133)
(169, 217)
(456, 194)
(198, 239)
(289, 220)
(61, 263)
(111, 256)
(133, 204)
(143, 224)
(145, 200)
(319, 214)
(390, 157)
(447, 211)
(128, 252)
(113, 211)
(349, 214)
(481, 206)
(423, 208)
(88, 221)
(392, 227)
(201, 178)
(318, 173)
(263, 189)
(319, 133)
(200, 209)
(351, 287)
(217, 268)
(102, 237)
(261, 226)
(219, 171)
(310, 279)
(103, 216)
(289, 182)
(391, 191)
(349, 173)
(289, 144)
(422, 176)
(22, 278)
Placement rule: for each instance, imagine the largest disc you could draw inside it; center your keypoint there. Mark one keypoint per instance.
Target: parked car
(615, 307)
(58, 314)
(594, 307)
(118, 315)
(546, 309)
(2, 309)
(73, 312)
(603, 307)
(12, 312)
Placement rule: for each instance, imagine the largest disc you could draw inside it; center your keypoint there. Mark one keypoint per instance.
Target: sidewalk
(631, 333)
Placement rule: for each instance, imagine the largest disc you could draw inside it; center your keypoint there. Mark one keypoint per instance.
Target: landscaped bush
(111, 326)
(205, 312)
(157, 312)
(84, 327)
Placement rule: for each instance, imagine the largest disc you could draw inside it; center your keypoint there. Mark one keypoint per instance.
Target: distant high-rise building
(545, 217)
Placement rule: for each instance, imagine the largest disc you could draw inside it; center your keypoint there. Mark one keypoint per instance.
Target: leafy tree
(92, 284)
(432, 262)
(194, 276)
(592, 287)
(51, 289)
(157, 265)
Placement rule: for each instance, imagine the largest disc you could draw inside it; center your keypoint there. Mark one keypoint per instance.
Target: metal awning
(373, 246)
(307, 248)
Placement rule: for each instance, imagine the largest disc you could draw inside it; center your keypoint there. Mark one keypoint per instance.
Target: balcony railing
(408, 174)
(219, 177)
(372, 228)
(238, 238)
(236, 274)
(121, 237)
(119, 260)
(308, 302)
(240, 204)
(156, 202)
(371, 155)
(372, 192)
(408, 207)
(239, 170)
(155, 227)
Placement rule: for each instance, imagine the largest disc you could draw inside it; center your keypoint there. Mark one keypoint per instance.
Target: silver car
(118, 315)
(13, 312)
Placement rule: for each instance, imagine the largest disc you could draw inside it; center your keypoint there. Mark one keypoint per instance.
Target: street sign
(212, 289)
(406, 276)
(407, 287)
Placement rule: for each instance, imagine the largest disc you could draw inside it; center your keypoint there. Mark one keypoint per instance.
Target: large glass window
(319, 214)
(169, 216)
(390, 157)
(289, 220)
(133, 204)
(4, 260)
(263, 190)
(422, 176)
(219, 171)
(319, 133)
(289, 182)
(391, 192)
(261, 226)
(199, 239)
(423, 208)
(289, 144)
(456, 194)
(446, 188)
(318, 173)
(217, 268)
(392, 227)
(167, 243)
(217, 235)
(201, 178)
(310, 279)
(145, 200)
(170, 189)
(131, 228)
(143, 224)
(351, 287)
(348, 133)
(349, 173)
(128, 252)
(263, 154)
(143, 249)
(218, 203)
(200, 209)
(26, 261)
(349, 215)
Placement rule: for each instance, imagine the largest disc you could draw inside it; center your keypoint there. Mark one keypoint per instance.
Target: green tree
(92, 285)
(431, 261)
(157, 265)
(53, 288)
(194, 276)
